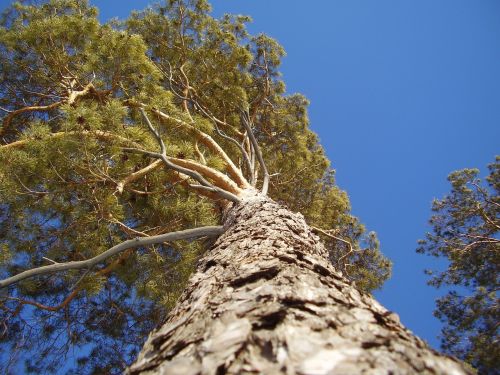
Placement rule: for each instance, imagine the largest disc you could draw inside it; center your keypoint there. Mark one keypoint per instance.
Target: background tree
(465, 231)
(80, 100)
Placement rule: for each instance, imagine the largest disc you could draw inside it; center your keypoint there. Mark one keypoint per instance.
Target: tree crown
(131, 130)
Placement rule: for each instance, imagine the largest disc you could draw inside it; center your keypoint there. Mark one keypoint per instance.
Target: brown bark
(265, 300)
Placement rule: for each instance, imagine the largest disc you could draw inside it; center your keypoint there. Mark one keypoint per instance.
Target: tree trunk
(266, 300)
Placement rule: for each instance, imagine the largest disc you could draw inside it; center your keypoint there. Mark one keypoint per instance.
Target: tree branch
(72, 97)
(186, 171)
(40, 108)
(242, 150)
(247, 124)
(348, 243)
(103, 272)
(220, 179)
(209, 231)
(96, 133)
(199, 154)
(319, 230)
(212, 145)
(137, 175)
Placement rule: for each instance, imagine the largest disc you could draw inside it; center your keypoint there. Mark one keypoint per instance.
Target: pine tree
(137, 162)
(465, 231)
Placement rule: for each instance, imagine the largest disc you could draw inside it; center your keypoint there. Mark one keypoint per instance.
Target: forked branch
(209, 231)
(190, 168)
(72, 97)
(137, 175)
(211, 144)
(248, 126)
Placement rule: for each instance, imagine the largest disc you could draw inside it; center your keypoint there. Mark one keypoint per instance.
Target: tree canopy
(84, 106)
(465, 231)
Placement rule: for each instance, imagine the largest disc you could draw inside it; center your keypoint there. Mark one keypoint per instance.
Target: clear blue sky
(402, 93)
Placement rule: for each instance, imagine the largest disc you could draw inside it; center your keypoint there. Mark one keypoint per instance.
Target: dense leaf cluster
(466, 232)
(70, 89)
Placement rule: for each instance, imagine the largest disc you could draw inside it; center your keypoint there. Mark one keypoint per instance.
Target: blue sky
(402, 93)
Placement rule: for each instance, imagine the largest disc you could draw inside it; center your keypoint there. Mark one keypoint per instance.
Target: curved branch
(181, 163)
(220, 179)
(209, 231)
(63, 304)
(242, 150)
(198, 177)
(196, 103)
(351, 248)
(212, 145)
(34, 108)
(247, 124)
(186, 171)
(137, 175)
(103, 272)
(72, 97)
(199, 154)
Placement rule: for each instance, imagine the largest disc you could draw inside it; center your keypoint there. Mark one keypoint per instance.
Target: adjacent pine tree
(122, 144)
(465, 231)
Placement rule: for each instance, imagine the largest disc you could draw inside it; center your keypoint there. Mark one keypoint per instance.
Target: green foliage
(466, 228)
(70, 88)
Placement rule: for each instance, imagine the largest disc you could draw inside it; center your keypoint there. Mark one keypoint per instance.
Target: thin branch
(485, 194)
(40, 108)
(209, 231)
(247, 124)
(199, 154)
(72, 97)
(30, 191)
(216, 121)
(186, 92)
(242, 150)
(96, 133)
(220, 179)
(212, 145)
(348, 243)
(127, 229)
(49, 260)
(195, 103)
(63, 304)
(324, 232)
(137, 175)
(475, 243)
(163, 148)
(102, 272)
(186, 171)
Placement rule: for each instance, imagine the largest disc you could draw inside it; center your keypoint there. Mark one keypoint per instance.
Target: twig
(50, 260)
(348, 243)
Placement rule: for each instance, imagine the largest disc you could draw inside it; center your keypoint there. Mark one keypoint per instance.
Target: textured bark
(266, 300)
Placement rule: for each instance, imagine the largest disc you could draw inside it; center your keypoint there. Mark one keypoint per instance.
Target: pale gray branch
(209, 231)
(248, 126)
(242, 150)
(154, 131)
(189, 172)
